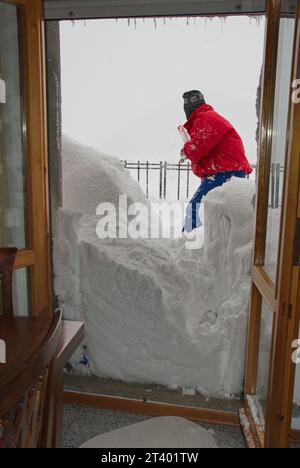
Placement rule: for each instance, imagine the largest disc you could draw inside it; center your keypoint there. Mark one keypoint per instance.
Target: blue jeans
(192, 219)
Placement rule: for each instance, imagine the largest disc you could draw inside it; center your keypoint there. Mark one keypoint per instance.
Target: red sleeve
(208, 130)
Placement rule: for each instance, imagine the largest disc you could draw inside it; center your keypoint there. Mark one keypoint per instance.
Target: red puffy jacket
(215, 145)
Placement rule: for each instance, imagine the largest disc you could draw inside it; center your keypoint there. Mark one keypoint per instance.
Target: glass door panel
(21, 292)
(273, 281)
(264, 356)
(279, 139)
(24, 221)
(13, 190)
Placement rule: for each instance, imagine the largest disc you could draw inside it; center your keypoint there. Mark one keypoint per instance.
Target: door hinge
(296, 254)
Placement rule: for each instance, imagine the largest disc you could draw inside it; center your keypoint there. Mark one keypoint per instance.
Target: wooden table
(23, 336)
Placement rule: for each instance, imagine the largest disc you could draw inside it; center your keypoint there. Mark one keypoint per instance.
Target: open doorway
(165, 323)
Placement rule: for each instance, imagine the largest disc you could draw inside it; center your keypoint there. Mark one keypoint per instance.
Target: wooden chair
(25, 395)
(7, 262)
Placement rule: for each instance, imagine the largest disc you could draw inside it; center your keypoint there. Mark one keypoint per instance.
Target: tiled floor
(82, 423)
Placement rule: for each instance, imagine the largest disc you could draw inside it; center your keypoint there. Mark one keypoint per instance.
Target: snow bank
(90, 177)
(154, 311)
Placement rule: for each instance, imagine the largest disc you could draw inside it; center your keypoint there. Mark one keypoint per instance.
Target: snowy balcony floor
(82, 423)
(153, 393)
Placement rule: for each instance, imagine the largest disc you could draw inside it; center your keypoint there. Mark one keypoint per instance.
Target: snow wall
(154, 311)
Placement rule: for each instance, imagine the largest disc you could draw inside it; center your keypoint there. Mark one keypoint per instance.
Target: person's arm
(207, 132)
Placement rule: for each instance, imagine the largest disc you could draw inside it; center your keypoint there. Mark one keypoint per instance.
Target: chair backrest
(7, 262)
(24, 411)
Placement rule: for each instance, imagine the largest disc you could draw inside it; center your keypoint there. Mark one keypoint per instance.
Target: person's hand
(182, 157)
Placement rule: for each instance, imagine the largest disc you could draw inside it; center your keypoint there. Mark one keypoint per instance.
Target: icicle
(187, 21)
(223, 22)
(257, 19)
(165, 21)
(135, 23)
(128, 22)
(155, 23)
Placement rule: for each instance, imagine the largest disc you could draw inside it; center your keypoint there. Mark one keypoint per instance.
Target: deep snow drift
(154, 311)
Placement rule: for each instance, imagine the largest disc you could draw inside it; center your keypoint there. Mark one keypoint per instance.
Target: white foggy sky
(122, 85)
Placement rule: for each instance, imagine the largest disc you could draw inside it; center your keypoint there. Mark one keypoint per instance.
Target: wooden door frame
(291, 233)
(149, 408)
(280, 299)
(261, 284)
(36, 256)
(277, 434)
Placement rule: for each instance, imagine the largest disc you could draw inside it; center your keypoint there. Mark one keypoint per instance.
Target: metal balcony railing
(179, 176)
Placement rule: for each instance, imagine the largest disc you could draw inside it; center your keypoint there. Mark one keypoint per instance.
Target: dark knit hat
(192, 100)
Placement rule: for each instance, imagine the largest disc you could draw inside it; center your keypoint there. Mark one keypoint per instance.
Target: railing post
(139, 171)
(165, 179)
(188, 181)
(160, 180)
(147, 179)
(179, 180)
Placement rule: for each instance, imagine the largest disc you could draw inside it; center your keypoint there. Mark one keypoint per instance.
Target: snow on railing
(181, 180)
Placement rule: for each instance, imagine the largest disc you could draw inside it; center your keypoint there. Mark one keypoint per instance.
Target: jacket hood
(204, 108)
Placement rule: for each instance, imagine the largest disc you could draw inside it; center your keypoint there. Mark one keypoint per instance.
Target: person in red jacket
(215, 149)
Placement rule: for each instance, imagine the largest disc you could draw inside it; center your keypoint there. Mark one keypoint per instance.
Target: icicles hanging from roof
(256, 19)
(158, 20)
(223, 20)
(190, 20)
(208, 18)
